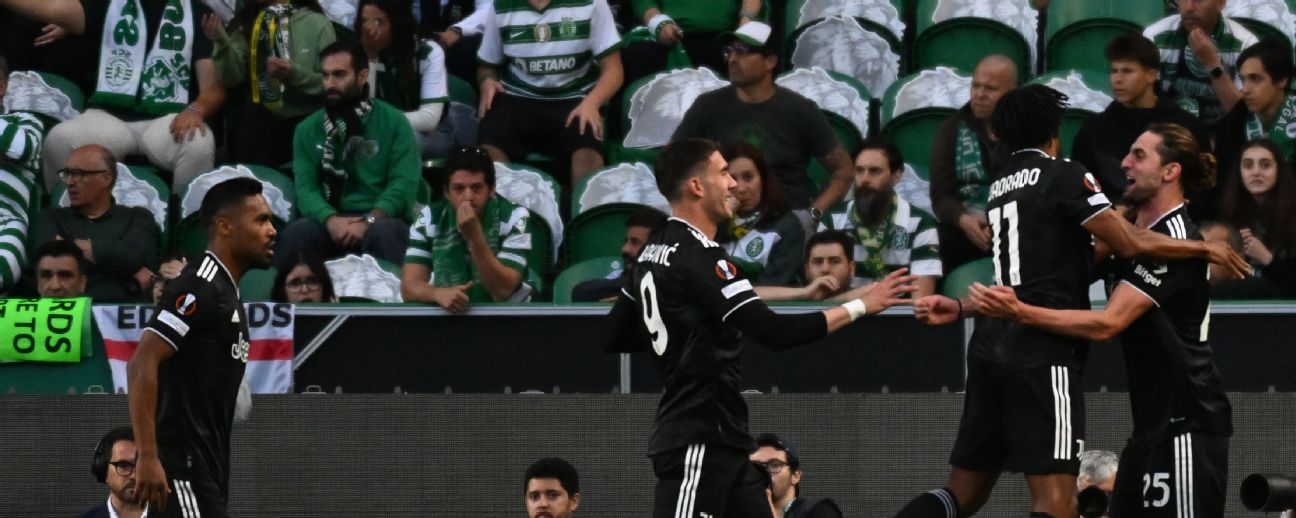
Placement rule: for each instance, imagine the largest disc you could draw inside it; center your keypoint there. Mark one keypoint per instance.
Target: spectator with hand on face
(475, 247)
(1199, 57)
(1260, 201)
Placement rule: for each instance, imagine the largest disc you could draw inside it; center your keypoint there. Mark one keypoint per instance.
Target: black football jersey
(1040, 248)
(1174, 385)
(201, 317)
(685, 286)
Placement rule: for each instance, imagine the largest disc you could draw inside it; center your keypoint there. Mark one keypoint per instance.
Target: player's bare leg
(1054, 494)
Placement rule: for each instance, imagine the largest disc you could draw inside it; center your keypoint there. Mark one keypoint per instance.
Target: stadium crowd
(414, 132)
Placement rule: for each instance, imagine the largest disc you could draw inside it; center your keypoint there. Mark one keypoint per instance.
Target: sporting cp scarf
(741, 225)
(271, 36)
(968, 168)
(872, 238)
(1282, 129)
(338, 129)
(450, 264)
(156, 81)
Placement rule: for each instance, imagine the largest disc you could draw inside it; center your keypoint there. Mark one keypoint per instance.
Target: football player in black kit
(1176, 463)
(689, 304)
(184, 377)
(1023, 410)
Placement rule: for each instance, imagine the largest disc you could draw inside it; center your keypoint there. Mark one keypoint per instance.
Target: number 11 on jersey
(996, 217)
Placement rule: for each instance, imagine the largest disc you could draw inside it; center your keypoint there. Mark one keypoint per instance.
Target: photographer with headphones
(114, 464)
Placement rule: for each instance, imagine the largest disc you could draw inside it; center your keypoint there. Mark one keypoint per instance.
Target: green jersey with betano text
(549, 53)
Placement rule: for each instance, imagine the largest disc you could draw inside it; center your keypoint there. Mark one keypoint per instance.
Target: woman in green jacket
(271, 55)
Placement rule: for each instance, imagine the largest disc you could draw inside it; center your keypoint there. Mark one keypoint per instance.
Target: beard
(347, 99)
(872, 206)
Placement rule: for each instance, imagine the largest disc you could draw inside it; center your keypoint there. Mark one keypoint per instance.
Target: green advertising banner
(43, 330)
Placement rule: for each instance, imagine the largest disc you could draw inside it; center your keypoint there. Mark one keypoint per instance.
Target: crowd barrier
(462, 455)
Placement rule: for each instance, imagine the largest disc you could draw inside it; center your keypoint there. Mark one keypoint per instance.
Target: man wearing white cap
(789, 128)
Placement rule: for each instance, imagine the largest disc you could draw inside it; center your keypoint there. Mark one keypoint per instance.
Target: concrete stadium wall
(464, 455)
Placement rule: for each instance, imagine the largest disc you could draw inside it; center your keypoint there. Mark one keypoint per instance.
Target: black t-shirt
(1174, 385)
(685, 286)
(787, 127)
(96, 11)
(201, 317)
(1105, 139)
(1040, 248)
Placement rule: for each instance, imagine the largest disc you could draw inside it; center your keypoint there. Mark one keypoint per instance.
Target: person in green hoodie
(355, 166)
(270, 54)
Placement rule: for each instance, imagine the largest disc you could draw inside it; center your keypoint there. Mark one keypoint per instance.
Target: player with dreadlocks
(1023, 408)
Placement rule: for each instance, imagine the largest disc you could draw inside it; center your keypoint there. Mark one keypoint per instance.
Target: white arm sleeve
(475, 23)
(426, 118)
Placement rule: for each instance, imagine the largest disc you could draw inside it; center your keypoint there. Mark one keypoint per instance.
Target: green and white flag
(155, 81)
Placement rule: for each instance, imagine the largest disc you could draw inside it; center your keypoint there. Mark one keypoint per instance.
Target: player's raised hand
(151, 483)
(1224, 255)
(995, 301)
(936, 310)
(886, 292)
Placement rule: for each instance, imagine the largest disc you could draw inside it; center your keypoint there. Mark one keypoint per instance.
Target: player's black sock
(937, 503)
(1041, 515)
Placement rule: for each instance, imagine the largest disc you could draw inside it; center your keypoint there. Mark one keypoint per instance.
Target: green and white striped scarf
(156, 81)
(1282, 131)
(973, 182)
(873, 239)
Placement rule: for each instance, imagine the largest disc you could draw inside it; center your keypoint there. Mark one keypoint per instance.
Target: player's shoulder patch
(207, 269)
(725, 269)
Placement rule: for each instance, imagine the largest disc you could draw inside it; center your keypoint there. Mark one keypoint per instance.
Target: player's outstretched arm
(1125, 305)
(777, 332)
(936, 310)
(1127, 240)
(141, 378)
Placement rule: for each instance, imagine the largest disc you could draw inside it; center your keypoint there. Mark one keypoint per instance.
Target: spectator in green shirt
(355, 166)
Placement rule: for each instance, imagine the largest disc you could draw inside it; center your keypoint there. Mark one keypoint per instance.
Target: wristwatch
(370, 218)
(816, 213)
(1217, 72)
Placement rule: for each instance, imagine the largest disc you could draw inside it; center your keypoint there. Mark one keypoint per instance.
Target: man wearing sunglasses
(118, 242)
(114, 465)
(787, 127)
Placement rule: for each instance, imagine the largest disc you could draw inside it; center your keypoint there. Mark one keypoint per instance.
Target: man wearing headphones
(114, 464)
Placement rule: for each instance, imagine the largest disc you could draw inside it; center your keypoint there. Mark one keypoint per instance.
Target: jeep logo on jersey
(239, 350)
(726, 270)
(1092, 184)
(186, 304)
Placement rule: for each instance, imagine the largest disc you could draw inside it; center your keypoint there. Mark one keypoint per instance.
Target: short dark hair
(359, 60)
(647, 217)
(828, 237)
(895, 160)
(62, 248)
(553, 467)
(1134, 47)
(1028, 116)
(679, 161)
(776, 442)
(312, 260)
(225, 195)
(470, 158)
(1274, 55)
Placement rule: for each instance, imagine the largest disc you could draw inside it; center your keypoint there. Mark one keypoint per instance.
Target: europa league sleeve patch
(186, 305)
(1091, 183)
(726, 270)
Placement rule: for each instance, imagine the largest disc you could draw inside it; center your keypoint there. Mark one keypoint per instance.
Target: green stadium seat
(1079, 31)
(914, 107)
(278, 189)
(589, 269)
(844, 100)
(257, 284)
(946, 30)
(957, 282)
(136, 186)
(539, 193)
(1089, 92)
(53, 98)
(884, 16)
(1265, 18)
(602, 202)
(850, 46)
(652, 107)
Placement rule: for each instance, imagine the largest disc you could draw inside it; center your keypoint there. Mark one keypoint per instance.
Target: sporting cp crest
(162, 78)
(898, 238)
(755, 246)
